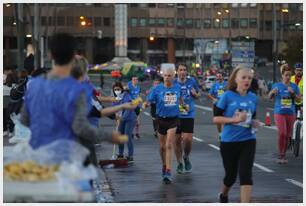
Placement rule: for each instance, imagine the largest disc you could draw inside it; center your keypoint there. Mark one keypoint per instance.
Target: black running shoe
(222, 198)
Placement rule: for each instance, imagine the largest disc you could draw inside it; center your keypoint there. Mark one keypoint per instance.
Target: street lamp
(219, 13)
(83, 23)
(284, 10)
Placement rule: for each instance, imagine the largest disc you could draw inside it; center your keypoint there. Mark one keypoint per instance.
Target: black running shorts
(166, 123)
(185, 125)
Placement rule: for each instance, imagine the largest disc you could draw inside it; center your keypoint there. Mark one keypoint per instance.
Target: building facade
(157, 32)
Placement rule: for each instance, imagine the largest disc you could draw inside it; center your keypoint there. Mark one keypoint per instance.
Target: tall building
(159, 32)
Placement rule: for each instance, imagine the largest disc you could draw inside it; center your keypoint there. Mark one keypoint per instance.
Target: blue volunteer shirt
(134, 91)
(218, 89)
(231, 102)
(126, 115)
(166, 99)
(283, 102)
(187, 97)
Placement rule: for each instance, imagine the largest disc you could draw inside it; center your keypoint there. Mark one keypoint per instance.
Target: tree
(293, 52)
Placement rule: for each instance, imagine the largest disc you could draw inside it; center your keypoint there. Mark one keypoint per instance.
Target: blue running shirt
(231, 102)
(187, 97)
(167, 100)
(218, 89)
(283, 103)
(134, 91)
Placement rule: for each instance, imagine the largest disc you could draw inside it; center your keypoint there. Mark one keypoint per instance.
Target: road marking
(262, 168)
(299, 184)
(204, 108)
(198, 139)
(147, 113)
(214, 146)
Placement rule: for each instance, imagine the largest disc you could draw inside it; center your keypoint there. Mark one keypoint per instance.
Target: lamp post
(274, 52)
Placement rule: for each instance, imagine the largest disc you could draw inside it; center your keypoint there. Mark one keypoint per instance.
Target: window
(69, 21)
(278, 25)
(60, 21)
(207, 23)
(98, 21)
(51, 21)
(143, 22)
(180, 6)
(134, 5)
(268, 25)
(197, 23)
(217, 23)
(261, 25)
(225, 23)
(235, 23)
(188, 23)
(133, 22)
(161, 22)
(180, 23)
(152, 5)
(106, 21)
(170, 22)
(243, 23)
(43, 21)
(152, 22)
(253, 23)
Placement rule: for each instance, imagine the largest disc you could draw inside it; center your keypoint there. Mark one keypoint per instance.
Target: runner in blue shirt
(156, 82)
(134, 90)
(184, 132)
(236, 109)
(167, 97)
(215, 92)
(285, 94)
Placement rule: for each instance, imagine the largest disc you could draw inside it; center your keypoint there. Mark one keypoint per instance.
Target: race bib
(170, 99)
(286, 103)
(248, 122)
(185, 92)
(220, 92)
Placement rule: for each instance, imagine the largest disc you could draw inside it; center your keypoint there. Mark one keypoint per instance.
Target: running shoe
(163, 172)
(130, 159)
(222, 198)
(284, 161)
(137, 136)
(180, 168)
(167, 178)
(120, 157)
(187, 163)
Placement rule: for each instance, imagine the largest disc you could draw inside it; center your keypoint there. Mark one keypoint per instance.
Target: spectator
(29, 60)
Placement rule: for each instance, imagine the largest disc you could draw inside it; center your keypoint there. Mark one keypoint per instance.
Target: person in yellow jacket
(298, 80)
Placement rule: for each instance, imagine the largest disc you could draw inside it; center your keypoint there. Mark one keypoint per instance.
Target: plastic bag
(21, 132)
(68, 154)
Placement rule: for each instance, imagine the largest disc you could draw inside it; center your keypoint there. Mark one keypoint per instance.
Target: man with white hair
(167, 97)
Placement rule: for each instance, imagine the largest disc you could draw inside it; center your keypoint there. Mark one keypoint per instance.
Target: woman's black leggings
(238, 155)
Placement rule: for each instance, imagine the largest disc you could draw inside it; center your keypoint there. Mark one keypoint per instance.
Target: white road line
(299, 184)
(214, 146)
(198, 139)
(147, 113)
(262, 168)
(204, 108)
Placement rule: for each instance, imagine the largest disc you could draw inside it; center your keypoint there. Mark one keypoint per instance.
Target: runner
(284, 93)
(56, 106)
(134, 90)
(298, 80)
(126, 120)
(184, 133)
(215, 93)
(236, 109)
(167, 97)
(153, 107)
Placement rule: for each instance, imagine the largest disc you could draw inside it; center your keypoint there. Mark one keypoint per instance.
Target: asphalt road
(142, 182)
